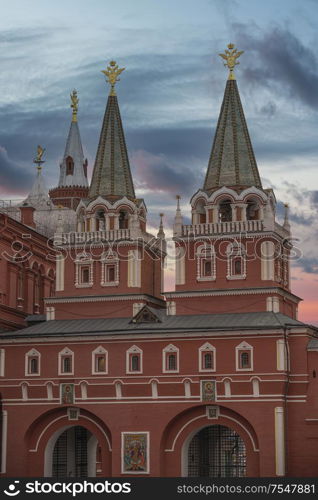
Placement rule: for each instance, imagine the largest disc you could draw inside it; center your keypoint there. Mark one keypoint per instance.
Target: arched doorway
(216, 451)
(72, 452)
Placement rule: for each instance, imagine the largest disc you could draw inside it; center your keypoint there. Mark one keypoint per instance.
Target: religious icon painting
(208, 390)
(67, 394)
(135, 452)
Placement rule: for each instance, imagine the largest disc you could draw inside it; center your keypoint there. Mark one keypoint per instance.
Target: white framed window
(66, 362)
(170, 359)
(244, 357)
(110, 269)
(207, 358)
(84, 271)
(2, 362)
(33, 363)
(206, 263)
(134, 360)
(236, 261)
(99, 361)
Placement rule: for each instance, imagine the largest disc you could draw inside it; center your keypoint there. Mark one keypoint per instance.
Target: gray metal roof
(232, 161)
(173, 324)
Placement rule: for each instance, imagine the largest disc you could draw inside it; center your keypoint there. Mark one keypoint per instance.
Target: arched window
(110, 269)
(32, 362)
(123, 219)
(252, 210)
(244, 357)
(200, 212)
(206, 357)
(66, 364)
(83, 270)
(100, 220)
(170, 359)
(69, 166)
(225, 211)
(206, 263)
(134, 360)
(236, 261)
(99, 361)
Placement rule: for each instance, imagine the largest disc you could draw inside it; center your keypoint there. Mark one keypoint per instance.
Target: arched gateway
(71, 452)
(216, 451)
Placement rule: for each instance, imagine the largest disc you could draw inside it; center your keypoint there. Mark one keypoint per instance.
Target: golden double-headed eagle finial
(231, 55)
(112, 72)
(74, 105)
(38, 159)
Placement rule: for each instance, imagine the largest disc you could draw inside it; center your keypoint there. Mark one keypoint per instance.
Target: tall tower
(73, 185)
(234, 257)
(111, 264)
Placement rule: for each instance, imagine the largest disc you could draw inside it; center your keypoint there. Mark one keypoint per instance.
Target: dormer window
(69, 166)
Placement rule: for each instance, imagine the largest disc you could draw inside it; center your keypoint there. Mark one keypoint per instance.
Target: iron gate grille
(216, 451)
(70, 453)
(80, 452)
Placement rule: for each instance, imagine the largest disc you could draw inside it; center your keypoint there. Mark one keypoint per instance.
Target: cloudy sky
(169, 95)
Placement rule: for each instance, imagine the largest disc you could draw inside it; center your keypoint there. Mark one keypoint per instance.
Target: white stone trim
(65, 352)
(83, 260)
(170, 349)
(279, 441)
(239, 291)
(180, 265)
(134, 269)
(243, 346)
(207, 347)
(60, 271)
(281, 355)
(2, 362)
(131, 351)
(4, 442)
(267, 260)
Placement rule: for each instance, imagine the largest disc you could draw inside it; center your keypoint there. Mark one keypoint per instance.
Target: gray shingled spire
(111, 175)
(73, 171)
(232, 162)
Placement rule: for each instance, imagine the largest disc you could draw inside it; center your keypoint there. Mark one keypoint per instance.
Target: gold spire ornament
(112, 72)
(74, 105)
(230, 57)
(38, 159)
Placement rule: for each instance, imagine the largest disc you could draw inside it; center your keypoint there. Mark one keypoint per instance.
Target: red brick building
(217, 378)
